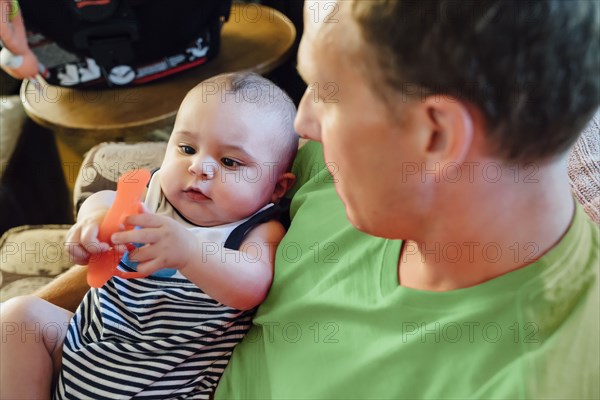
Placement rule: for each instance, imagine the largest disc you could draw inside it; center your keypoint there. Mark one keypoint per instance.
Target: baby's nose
(204, 169)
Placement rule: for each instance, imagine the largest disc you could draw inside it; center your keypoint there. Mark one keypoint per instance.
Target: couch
(31, 256)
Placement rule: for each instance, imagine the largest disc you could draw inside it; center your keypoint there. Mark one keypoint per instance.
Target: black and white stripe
(155, 337)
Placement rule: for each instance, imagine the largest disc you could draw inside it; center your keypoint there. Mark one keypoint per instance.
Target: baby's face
(220, 165)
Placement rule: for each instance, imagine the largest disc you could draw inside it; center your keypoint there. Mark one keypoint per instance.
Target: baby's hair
(255, 90)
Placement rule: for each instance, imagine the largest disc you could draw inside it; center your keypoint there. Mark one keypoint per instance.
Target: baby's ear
(284, 183)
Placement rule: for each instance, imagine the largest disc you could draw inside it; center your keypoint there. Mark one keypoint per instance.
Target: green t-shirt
(337, 325)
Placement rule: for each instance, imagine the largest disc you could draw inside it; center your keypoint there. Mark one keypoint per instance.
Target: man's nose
(306, 123)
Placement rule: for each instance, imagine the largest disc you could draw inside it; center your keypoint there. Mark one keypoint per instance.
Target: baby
(210, 213)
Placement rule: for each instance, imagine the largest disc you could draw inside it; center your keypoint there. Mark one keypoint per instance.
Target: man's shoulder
(308, 163)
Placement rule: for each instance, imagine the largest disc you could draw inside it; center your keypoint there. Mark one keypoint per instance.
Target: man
(449, 128)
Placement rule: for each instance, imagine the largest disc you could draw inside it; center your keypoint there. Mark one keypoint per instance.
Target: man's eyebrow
(301, 68)
(299, 71)
(308, 73)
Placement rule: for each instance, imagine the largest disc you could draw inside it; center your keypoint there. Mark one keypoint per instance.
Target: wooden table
(255, 38)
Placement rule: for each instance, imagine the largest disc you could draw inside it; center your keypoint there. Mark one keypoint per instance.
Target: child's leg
(33, 332)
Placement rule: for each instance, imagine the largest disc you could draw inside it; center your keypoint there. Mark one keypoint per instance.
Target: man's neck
(491, 231)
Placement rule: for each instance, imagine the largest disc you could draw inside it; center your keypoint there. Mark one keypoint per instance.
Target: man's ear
(451, 129)
(284, 183)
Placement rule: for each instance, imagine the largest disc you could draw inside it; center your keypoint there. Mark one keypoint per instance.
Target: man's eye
(187, 149)
(228, 162)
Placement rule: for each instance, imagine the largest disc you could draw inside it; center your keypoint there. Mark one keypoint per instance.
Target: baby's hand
(167, 243)
(82, 239)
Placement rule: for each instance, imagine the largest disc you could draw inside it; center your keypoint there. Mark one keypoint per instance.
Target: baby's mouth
(195, 194)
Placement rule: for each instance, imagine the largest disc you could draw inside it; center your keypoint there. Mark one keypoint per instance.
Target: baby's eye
(187, 149)
(230, 163)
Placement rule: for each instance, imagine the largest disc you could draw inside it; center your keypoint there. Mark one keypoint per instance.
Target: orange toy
(129, 193)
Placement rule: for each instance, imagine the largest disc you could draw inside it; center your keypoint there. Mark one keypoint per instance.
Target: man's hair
(531, 67)
(253, 89)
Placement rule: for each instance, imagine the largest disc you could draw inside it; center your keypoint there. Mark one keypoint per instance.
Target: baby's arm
(82, 239)
(238, 279)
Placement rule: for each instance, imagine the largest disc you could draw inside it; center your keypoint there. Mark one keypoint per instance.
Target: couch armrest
(31, 256)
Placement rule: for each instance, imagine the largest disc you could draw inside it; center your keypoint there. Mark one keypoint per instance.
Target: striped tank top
(155, 337)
